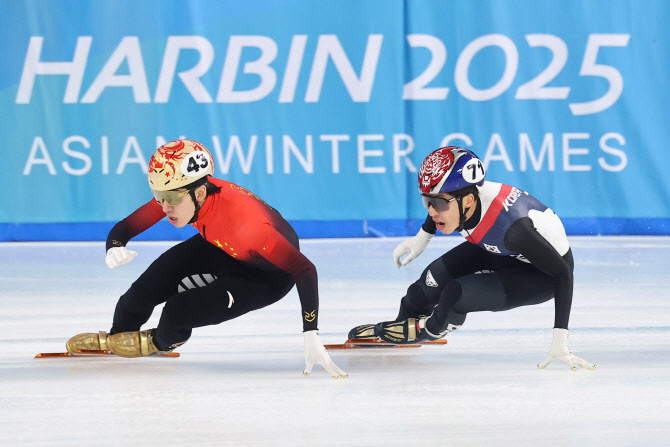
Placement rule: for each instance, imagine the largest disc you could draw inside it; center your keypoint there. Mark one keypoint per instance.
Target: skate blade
(90, 353)
(368, 343)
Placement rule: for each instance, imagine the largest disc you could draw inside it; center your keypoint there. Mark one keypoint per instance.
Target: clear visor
(171, 197)
(438, 203)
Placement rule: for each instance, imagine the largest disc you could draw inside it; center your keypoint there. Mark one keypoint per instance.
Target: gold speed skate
(412, 330)
(134, 344)
(363, 332)
(88, 342)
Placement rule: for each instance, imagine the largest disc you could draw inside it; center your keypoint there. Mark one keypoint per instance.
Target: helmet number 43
(195, 161)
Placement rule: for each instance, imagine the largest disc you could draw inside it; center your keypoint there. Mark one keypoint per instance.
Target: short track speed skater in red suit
(245, 256)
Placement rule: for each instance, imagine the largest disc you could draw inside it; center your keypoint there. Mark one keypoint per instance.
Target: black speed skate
(363, 332)
(412, 330)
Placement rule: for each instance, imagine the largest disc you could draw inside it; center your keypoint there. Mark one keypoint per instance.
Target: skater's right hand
(316, 354)
(117, 256)
(414, 246)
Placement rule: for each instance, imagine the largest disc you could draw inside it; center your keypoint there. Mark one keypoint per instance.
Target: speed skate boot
(411, 330)
(363, 332)
(135, 344)
(88, 342)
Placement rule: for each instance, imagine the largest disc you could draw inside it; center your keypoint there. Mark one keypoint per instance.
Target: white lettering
(104, 154)
(307, 161)
(611, 74)
(461, 79)
(128, 49)
(416, 88)
(547, 150)
(234, 146)
(511, 198)
(78, 155)
(269, 163)
(363, 153)
(612, 151)
(375, 154)
(293, 65)
(257, 79)
(38, 145)
(569, 151)
(191, 77)
(33, 67)
(260, 67)
(131, 145)
(359, 89)
(535, 88)
(398, 153)
(335, 149)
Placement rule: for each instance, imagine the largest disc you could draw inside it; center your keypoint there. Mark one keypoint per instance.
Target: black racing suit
(516, 254)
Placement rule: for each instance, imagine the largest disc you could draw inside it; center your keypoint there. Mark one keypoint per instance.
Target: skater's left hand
(559, 350)
(315, 353)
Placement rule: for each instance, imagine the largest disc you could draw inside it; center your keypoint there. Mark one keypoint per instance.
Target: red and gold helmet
(179, 163)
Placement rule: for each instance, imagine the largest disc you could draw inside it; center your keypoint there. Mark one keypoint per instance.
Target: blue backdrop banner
(326, 109)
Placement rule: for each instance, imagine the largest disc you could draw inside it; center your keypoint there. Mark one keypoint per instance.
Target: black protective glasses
(438, 203)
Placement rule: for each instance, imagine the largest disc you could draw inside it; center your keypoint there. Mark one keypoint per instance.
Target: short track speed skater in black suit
(516, 254)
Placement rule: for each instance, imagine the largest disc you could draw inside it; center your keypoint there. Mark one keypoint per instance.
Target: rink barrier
(315, 229)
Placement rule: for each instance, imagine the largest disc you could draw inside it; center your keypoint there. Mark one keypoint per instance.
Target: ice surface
(240, 383)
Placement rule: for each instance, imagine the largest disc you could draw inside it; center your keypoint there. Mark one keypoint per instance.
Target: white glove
(559, 350)
(117, 256)
(316, 353)
(414, 246)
